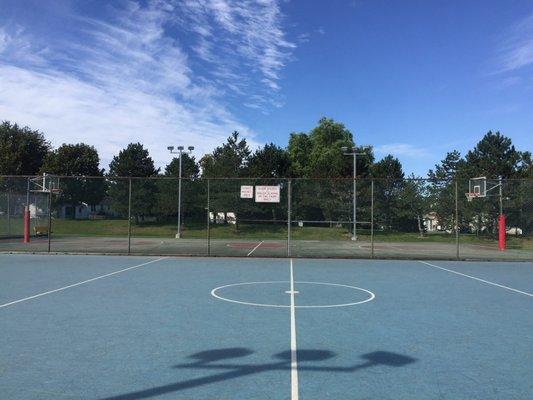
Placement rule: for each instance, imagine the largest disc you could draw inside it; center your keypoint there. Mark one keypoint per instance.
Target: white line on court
(294, 358)
(79, 283)
(255, 248)
(478, 279)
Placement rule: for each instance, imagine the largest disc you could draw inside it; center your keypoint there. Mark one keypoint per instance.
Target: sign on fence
(247, 192)
(267, 194)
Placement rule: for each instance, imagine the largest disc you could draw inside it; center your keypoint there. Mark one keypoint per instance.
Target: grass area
(110, 227)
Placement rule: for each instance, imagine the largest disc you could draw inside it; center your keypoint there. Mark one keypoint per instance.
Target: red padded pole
(501, 232)
(26, 225)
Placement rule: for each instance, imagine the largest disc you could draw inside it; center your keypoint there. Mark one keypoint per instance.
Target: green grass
(114, 227)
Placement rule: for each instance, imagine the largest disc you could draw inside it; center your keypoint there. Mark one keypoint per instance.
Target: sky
(412, 78)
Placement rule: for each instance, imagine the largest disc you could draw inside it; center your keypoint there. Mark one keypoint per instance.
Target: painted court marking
(294, 358)
(478, 279)
(79, 283)
(215, 294)
(255, 248)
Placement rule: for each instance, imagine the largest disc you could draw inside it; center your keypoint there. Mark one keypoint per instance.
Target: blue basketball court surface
(110, 327)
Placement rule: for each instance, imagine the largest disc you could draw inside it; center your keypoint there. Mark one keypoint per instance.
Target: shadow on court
(216, 359)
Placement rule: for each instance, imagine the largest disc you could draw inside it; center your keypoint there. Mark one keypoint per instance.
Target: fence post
(289, 218)
(456, 221)
(208, 219)
(372, 219)
(8, 195)
(129, 215)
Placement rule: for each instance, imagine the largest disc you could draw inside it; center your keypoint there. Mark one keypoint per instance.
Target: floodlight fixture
(170, 148)
(180, 147)
(191, 148)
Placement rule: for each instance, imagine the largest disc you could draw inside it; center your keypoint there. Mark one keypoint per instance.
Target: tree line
(316, 154)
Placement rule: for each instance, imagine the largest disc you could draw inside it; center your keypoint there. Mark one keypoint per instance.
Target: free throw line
(478, 279)
(79, 283)
(255, 248)
(294, 358)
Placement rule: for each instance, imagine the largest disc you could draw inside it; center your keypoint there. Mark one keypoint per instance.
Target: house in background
(432, 222)
(85, 211)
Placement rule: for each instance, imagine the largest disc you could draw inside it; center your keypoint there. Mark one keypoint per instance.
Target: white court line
(255, 248)
(294, 358)
(478, 279)
(79, 283)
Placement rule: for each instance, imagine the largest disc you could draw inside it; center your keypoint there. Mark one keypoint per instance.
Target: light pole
(180, 152)
(353, 152)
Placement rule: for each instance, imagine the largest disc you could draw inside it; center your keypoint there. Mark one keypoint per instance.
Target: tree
(493, 156)
(441, 188)
(22, 150)
(133, 161)
(228, 160)
(193, 191)
(299, 149)
(77, 162)
(413, 204)
(270, 161)
(388, 189)
(319, 155)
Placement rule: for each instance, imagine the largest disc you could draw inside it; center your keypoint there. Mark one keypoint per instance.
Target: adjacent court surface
(111, 327)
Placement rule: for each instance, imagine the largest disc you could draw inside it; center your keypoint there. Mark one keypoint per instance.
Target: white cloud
(124, 79)
(516, 50)
(400, 149)
(3, 40)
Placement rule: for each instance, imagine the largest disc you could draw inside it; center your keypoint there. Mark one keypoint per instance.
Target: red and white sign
(267, 194)
(247, 192)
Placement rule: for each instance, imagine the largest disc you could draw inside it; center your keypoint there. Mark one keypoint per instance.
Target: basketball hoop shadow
(212, 360)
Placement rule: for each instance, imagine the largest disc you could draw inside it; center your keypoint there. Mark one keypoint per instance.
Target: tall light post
(353, 152)
(180, 152)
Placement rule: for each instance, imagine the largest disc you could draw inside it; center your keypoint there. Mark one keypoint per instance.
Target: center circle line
(216, 295)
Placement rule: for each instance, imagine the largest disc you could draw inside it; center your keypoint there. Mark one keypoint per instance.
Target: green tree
(77, 162)
(413, 204)
(493, 156)
(388, 187)
(299, 149)
(22, 150)
(270, 161)
(441, 189)
(319, 155)
(228, 160)
(193, 190)
(133, 161)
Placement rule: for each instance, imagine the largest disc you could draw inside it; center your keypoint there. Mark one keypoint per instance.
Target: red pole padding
(26, 225)
(501, 232)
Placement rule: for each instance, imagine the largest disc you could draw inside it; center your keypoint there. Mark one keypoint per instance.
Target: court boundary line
(79, 283)
(478, 279)
(255, 248)
(294, 356)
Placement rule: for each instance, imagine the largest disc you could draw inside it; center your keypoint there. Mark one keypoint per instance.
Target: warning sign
(267, 194)
(247, 192)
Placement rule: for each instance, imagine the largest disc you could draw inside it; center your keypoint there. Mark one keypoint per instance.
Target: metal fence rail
(405, 219)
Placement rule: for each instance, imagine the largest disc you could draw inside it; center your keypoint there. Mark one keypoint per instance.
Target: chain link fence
(259, 217)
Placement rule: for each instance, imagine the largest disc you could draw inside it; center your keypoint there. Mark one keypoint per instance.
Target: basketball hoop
(472, 195)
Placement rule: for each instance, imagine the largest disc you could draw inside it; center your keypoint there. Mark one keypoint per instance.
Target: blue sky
(413, 78)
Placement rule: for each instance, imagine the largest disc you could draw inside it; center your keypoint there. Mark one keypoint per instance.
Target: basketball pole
(501, 220)
(26, 230)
